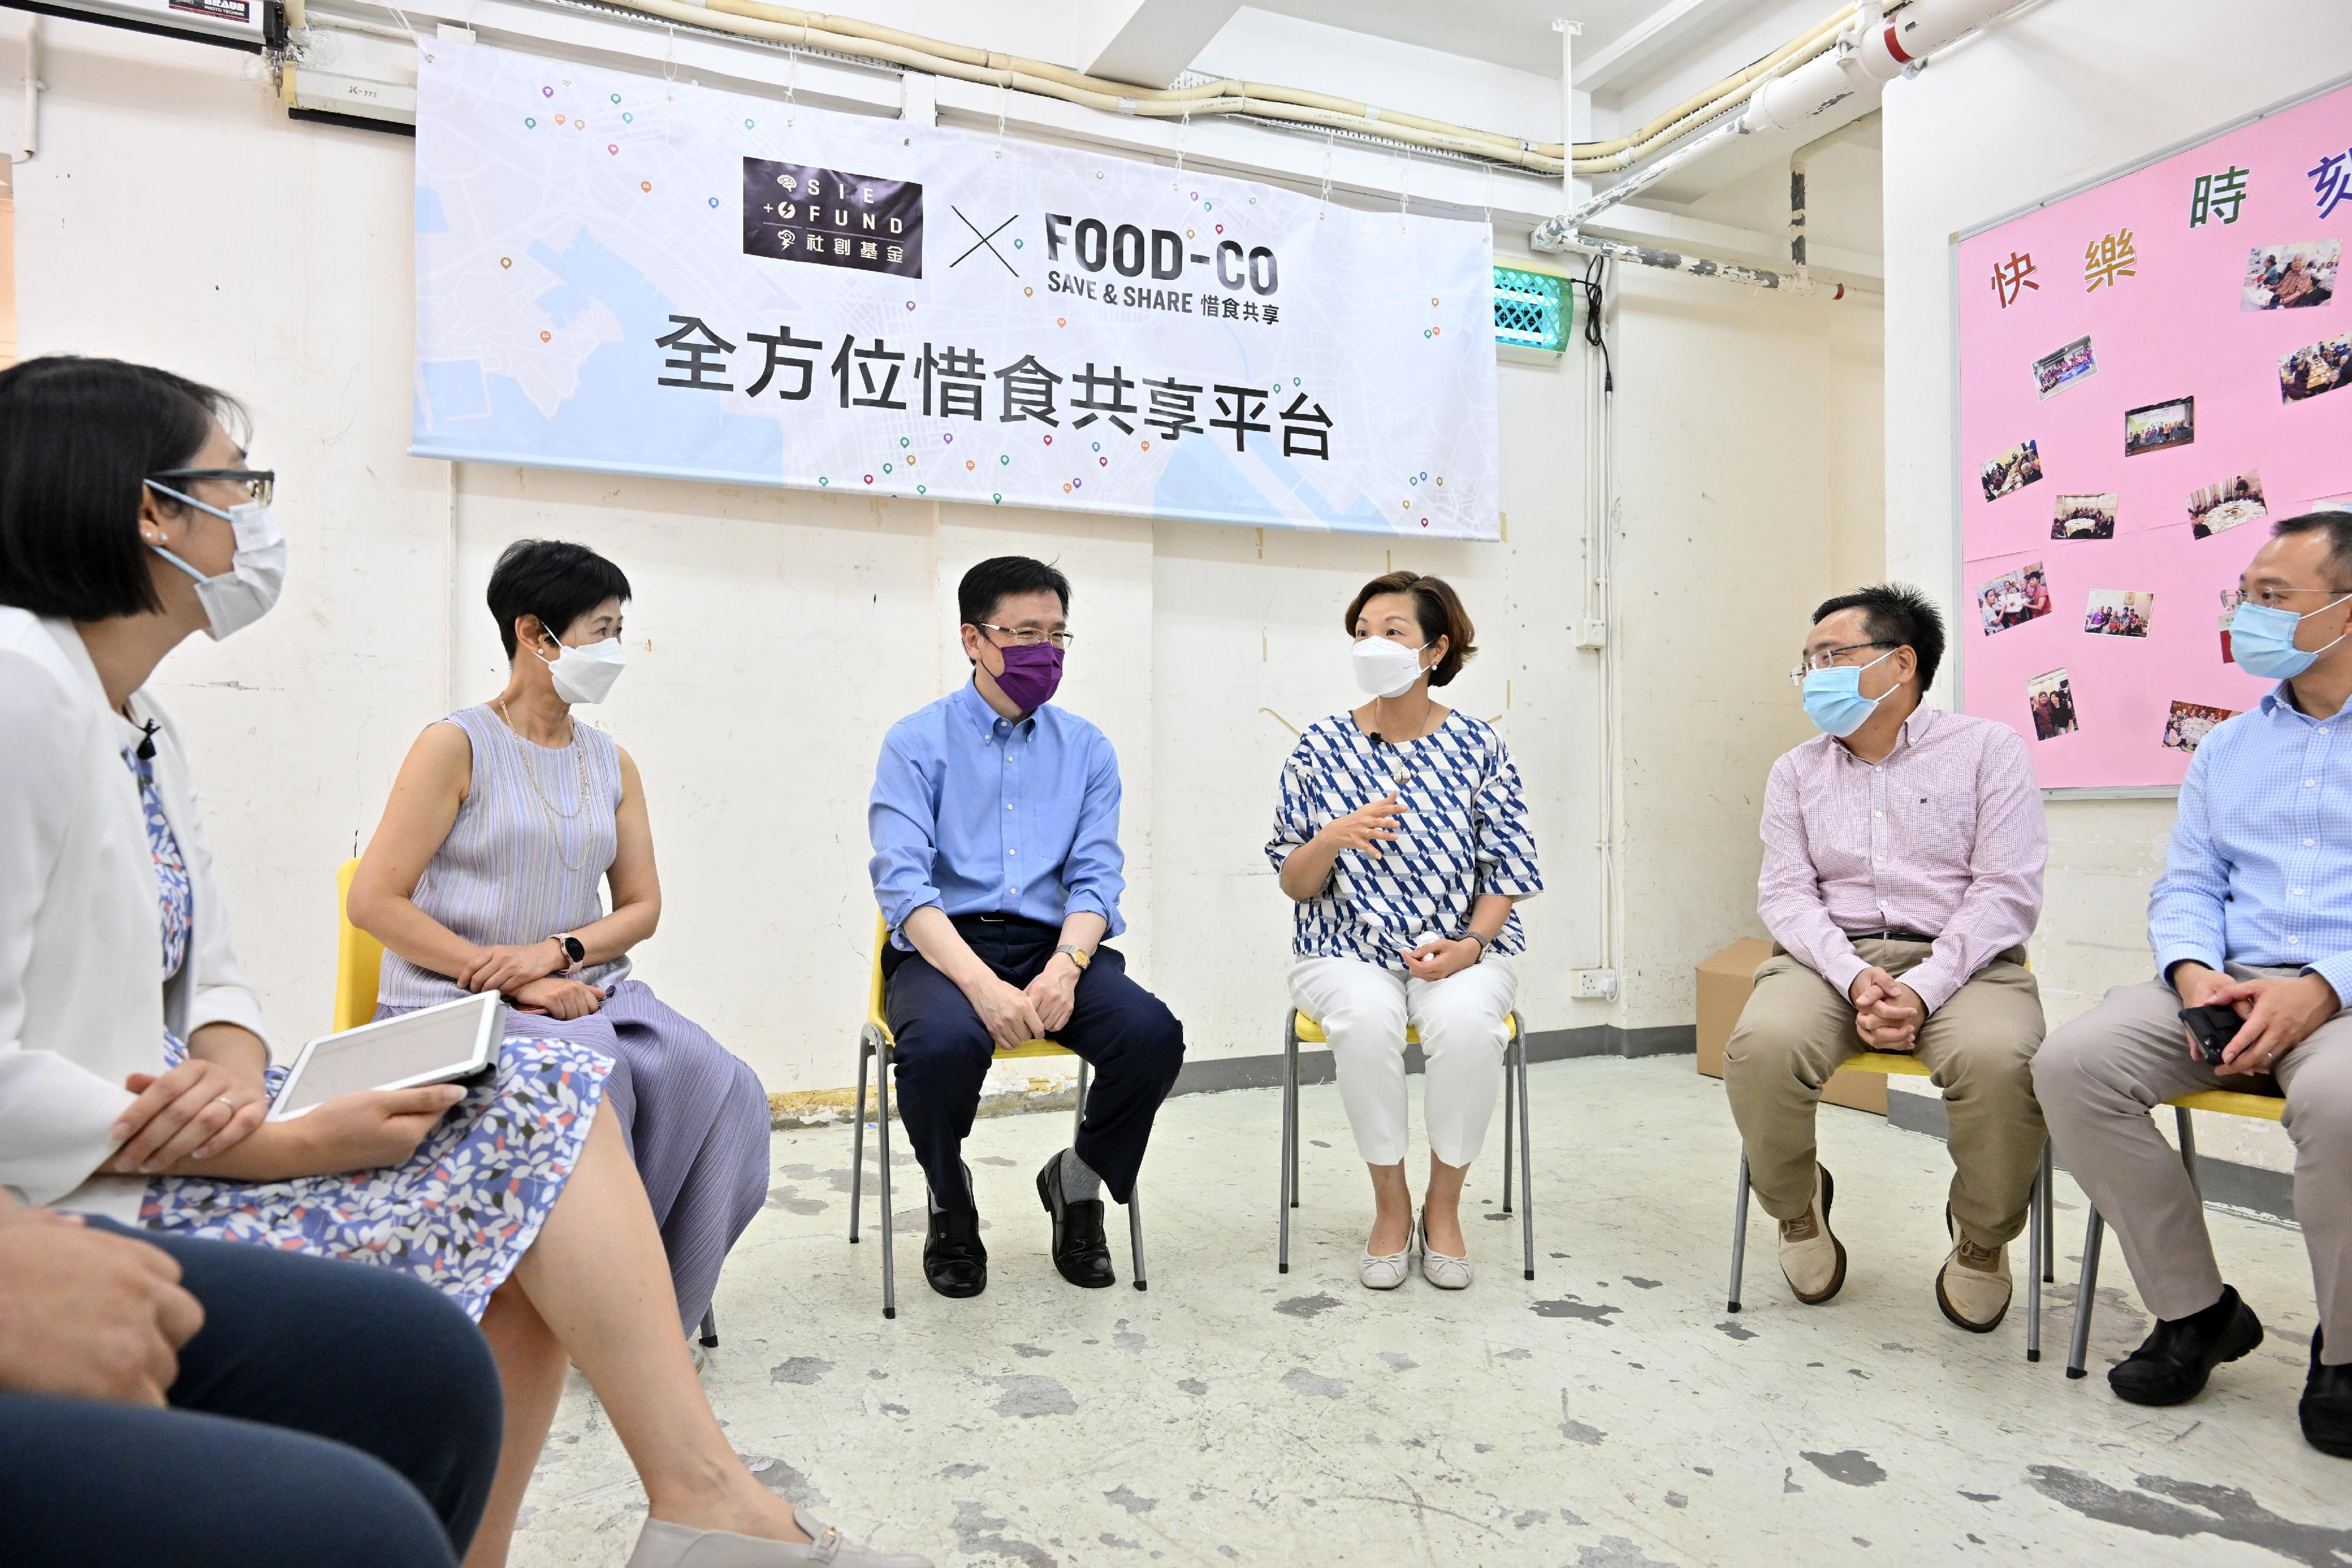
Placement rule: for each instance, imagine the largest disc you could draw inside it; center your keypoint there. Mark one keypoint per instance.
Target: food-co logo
(1130, 251)
(831, 217)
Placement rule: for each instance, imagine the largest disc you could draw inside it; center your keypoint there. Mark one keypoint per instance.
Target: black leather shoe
(2176, 1359)
(2326, 1407)
(1080, 1251)
(954, 1261)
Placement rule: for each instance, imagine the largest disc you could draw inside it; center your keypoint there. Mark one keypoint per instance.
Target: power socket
(1599, 984)
(1593, 634)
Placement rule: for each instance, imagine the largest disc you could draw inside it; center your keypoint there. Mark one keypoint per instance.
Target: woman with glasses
(129, 522)
(1402, 835)
(506, 825)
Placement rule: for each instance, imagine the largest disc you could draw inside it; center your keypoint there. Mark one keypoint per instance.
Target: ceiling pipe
(1870, 50)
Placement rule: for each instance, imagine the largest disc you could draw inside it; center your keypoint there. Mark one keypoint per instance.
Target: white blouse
(80, 932)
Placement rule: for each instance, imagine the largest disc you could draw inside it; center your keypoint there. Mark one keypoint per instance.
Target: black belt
(1889, 935)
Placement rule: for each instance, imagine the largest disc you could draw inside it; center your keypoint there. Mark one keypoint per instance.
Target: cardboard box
(1724, 981)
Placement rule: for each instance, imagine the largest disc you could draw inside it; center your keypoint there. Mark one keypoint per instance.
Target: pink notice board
(2151, 369)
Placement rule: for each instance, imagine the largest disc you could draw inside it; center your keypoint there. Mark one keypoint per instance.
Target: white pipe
(1870, 52)
(1569, 33)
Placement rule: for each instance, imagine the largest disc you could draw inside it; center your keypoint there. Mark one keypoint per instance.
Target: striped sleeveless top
(504, 874)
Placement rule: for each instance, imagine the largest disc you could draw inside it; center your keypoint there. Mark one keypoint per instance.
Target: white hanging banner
(620, 273)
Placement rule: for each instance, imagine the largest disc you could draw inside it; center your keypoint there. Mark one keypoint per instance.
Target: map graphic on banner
(626, 275)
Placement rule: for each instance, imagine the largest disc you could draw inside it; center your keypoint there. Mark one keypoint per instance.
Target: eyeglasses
(2269, 598)
(259, 484)
(1827, 658)
(1028, 636)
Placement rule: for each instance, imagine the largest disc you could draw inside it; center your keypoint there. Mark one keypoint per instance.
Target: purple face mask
(1032, 674)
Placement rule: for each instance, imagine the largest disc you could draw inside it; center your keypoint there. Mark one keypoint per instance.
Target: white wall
(174, 215)
(2065, 90)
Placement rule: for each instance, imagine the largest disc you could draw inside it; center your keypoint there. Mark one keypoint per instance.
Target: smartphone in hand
(2212, 1027)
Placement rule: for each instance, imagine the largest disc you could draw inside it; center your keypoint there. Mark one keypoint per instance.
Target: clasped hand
(1441, 957)
(195, 1110)
(2280, 1013)
(557, 998)
(509, 966)
(1886, 1012)
(1014, 1014)
(88, 1315)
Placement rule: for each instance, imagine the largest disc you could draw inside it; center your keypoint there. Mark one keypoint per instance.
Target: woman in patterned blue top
(1403, 836)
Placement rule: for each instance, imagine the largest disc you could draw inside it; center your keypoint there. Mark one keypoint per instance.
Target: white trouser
(1461, 1020)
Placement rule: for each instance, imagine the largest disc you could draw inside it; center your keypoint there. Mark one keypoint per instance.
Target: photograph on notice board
(2056, 372)
(2189, 723)
(2084, 518)
(2307, 372)
(2158, 425)
(2013, 597)
(2013, 470)
(2052, 698)
(2114, 612)
(2214, 508)
(2290, 276)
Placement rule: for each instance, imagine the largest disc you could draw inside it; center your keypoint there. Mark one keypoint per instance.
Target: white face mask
(257, 574)
(1386, 669)
(586, 674)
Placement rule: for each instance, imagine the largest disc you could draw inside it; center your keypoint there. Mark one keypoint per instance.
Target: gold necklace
(579, 756)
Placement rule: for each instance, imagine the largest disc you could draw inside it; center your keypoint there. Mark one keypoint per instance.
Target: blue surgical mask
(1833, 698)
(2262, 639)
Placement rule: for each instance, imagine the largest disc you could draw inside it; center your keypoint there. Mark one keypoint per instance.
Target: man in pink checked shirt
(1903, 856)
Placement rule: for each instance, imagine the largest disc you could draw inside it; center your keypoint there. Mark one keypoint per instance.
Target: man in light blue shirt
(2253, 916)
(996, 862)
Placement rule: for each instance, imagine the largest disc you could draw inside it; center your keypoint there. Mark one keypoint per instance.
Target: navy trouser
(1132, 1041)
(326, 1413)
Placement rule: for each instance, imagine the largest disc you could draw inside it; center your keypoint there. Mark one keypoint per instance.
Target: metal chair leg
(2048, 1218)
(1738, 1231)
(1507, 1131)
(889, 1237)
(2187, 1130)
(2033, 1261)
(1527, 1167)
(1289, 1138)
(709, 1336)
(1135, 1232)
(2080, 1349)
(858, 1139)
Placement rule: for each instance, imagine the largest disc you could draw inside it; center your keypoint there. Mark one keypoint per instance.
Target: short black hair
(77, 439)
(986, 584)
(558, 582)
(1898, 613)
(2336, 523)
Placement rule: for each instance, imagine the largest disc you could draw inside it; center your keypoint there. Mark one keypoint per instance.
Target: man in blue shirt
(2254, 914)
(996, 862)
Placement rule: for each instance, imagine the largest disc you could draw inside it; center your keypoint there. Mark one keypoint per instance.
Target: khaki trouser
(1978, 1048)
(2100, 1075)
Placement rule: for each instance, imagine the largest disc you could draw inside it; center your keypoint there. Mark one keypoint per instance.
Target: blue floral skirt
(459, 1215)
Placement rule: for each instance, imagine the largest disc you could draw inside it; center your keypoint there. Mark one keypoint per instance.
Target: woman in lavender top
(485, 874)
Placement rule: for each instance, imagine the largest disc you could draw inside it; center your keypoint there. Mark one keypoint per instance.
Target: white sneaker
(1446, 1273)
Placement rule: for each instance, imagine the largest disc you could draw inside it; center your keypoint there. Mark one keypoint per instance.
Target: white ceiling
(1514, 33)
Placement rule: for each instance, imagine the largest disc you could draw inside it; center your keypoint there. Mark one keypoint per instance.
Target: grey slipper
(662, 1545)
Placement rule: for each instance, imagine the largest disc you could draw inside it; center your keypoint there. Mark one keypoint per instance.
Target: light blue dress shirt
(2260, 872)
(985, 815)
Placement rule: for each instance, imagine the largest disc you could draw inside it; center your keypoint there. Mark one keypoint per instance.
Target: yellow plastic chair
(874, 1046)
(1299, 1029)
(2221, 1102)
(2040, 1215)
(359, 958)
(359, 966)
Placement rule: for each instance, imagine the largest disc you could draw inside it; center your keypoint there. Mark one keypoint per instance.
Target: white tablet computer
(432, 1045)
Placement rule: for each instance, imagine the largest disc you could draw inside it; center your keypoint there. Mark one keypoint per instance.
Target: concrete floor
(1608, 1414)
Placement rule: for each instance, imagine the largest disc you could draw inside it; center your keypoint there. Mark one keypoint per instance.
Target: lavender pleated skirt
(695, 1117)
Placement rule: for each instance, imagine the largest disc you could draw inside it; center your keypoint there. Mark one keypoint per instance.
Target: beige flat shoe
(1973, 1287)
(1812, 1258)
(1387, 1273)
(1446, 1273)
(662, 1545)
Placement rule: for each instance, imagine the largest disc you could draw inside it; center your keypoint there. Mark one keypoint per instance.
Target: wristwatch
(1078, 954)
(1471, 936)
(574, 951)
